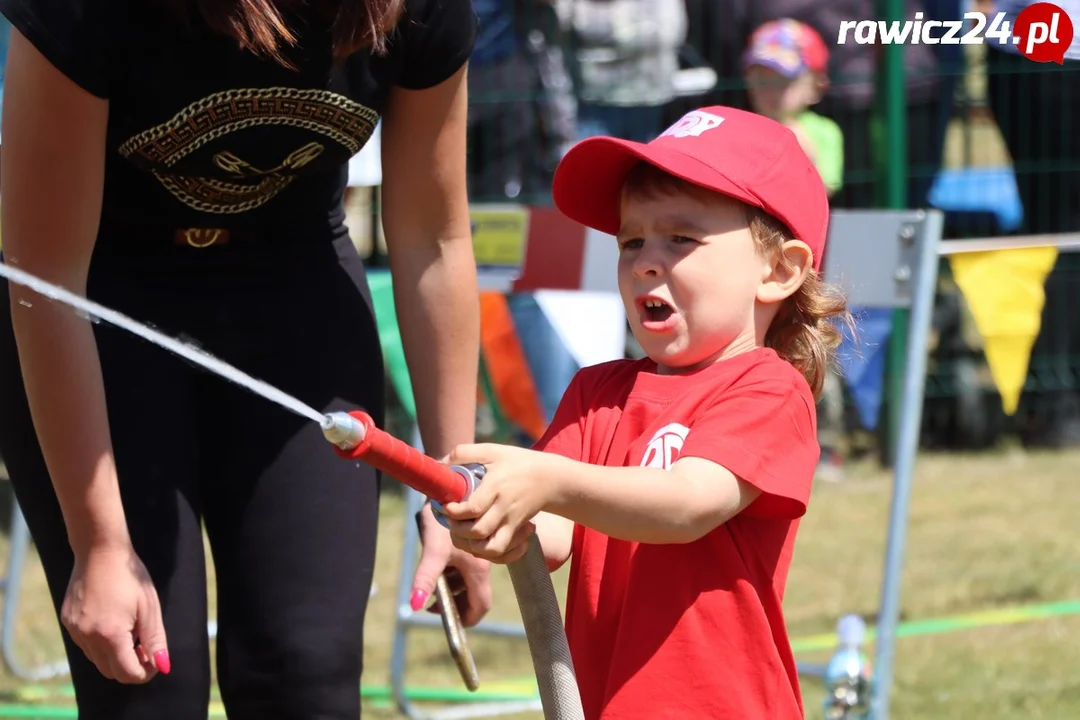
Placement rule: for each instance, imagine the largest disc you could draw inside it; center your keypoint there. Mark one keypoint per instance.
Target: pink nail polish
(162, 662)
(419, 597)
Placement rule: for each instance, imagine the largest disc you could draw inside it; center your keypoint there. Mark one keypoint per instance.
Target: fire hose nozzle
(355, 437)
(472, 473)
(343, 430)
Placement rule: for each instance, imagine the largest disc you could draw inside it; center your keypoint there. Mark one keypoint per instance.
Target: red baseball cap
(733, 152)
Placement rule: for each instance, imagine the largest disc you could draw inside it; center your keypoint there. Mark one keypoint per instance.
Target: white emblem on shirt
(664, 448)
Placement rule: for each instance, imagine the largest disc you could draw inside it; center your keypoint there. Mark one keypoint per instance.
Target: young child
(675, 483)
(785, 67)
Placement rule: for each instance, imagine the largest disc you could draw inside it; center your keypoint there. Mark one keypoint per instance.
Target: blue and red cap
(787, 46)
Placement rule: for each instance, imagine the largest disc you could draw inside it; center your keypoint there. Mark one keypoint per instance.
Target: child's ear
(789, 269)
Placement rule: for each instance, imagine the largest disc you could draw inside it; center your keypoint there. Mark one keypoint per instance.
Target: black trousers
(292, 527)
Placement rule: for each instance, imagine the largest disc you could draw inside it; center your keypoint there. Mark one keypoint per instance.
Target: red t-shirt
(694, 630)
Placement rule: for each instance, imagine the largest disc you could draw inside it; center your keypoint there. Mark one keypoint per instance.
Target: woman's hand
(469, 577)
(496, 522)
(111, 604)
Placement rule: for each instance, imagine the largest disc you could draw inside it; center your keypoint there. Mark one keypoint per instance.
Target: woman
(184, 163)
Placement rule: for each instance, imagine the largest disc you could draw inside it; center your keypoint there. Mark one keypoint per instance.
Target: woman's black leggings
(292, 527)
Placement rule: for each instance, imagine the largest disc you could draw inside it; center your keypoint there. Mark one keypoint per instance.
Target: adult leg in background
(630, 122)
(292, 526)
(506, 152)
(147, 391)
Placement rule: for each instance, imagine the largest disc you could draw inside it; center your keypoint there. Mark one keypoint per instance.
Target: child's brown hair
(804, 331)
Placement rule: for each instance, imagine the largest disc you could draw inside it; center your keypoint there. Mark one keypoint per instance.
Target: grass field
(986, 532)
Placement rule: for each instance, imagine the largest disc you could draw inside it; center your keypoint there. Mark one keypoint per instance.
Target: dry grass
(985, 531)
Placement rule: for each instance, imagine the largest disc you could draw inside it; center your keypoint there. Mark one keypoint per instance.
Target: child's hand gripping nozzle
(355, 437)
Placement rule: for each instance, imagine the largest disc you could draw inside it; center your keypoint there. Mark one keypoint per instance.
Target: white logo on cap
(693, 123)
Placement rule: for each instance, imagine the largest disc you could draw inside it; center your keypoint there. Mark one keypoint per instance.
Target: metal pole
(911, 403)
(894, 99)
(896, 177)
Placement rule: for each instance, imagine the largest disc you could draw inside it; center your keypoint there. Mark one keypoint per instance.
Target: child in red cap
(675, 483)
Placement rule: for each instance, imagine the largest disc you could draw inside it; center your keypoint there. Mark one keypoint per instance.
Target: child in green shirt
(786, 71)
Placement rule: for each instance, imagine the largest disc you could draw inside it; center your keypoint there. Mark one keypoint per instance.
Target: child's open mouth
(656, 315)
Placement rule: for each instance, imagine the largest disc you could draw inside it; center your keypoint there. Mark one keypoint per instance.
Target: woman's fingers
(124, 660)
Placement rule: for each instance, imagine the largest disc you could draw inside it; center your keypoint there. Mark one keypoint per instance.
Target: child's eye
(682, 239)
(631, 244)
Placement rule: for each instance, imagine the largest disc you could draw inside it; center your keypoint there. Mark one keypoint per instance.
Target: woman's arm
(429, 243)
(53, 168)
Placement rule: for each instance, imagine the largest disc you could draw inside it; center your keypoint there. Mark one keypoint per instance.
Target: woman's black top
(205, 137)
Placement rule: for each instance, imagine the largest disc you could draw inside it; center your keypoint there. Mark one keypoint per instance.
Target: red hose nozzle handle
(355, 437)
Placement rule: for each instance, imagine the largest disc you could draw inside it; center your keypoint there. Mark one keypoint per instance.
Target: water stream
(96, 312)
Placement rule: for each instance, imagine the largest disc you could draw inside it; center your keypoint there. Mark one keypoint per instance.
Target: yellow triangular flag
(1005, 291)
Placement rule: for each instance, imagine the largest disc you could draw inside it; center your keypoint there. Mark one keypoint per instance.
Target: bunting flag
(862, 360)
(1004, 290)
(552, 364)
(590, 325)
(521, 351)
(508, 367)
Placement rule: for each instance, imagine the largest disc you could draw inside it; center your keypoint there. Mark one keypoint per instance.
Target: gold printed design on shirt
(333, 116)
(202, 237)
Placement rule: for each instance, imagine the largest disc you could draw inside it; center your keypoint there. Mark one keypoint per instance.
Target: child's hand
(495, 523)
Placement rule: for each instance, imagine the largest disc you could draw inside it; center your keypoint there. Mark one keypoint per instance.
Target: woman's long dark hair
(259, 25)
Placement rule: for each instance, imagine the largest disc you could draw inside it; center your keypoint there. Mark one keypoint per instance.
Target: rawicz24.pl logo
(1041, 32)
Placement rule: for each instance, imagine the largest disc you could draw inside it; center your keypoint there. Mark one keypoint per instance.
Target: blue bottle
(848, 676)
